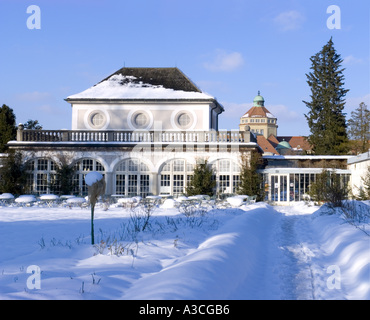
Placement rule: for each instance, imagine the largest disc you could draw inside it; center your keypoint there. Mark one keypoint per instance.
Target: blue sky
(230, 49)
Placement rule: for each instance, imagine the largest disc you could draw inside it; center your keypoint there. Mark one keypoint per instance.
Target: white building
(359, 167)
(288, 178)
(144, 129)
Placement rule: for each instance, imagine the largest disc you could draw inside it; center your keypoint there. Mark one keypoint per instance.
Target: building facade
(144, 129)
(289, 178)
(360, 168)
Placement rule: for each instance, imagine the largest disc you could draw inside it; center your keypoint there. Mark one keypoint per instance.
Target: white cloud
(224, 61)
(35, 96)
(353, 102)
(351, 60)
(235, 110)
(289, 20)
(284, 113)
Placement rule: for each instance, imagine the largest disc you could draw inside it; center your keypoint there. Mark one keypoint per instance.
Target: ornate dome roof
(283, 145)
(258, 101)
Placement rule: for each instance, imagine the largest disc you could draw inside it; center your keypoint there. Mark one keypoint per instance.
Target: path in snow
(285, 271)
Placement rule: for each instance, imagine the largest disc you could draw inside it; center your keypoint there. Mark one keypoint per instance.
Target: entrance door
(279, 188)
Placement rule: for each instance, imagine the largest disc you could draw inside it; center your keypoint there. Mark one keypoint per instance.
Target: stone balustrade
(226, 136)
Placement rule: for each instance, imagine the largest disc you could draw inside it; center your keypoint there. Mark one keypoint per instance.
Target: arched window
(227, 175)
(132, 178)
(175, 176)
(82, 168)
(41, 174)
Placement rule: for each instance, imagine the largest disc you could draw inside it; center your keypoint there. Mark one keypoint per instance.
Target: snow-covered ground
(252, 252)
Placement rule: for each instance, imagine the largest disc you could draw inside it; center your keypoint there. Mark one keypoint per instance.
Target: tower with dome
(260, 120)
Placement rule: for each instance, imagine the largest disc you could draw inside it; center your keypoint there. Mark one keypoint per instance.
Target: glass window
(40, 176)
(165, 180)
(129, 180)
(42, 165)
(132, 185)
(120, 184)
(178, 165)
(141, 120)
(184, 120)
(82, 167)
(178, 184)
(224, 165)
(97, 119)
(175, 176)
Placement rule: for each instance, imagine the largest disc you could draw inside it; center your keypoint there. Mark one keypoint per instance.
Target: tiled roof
(258, 112)
(296, 142)
(270, 144)
(266, 145)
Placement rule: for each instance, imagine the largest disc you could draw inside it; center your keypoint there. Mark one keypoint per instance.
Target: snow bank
(217, 267)
(254, 252)
(345, 250)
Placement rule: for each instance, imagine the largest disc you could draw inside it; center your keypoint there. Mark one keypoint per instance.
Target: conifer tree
(8, 129)
(359, 128)
(250, 180)
(32, 125)
(201, 182)
(326, 119)
(13, 173)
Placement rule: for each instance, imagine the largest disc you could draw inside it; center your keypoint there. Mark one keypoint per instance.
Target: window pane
(132, 185)
(165, 180)
(178, 165)
(120, 184)
(87, 165)
(144, 185)
(133, 165)
(224, 166)
(99, 166)
(42, 165)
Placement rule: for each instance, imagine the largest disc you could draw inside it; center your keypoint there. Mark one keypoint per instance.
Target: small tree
(359, 128)
(250, 180)
(329, 188)
(12, 174)
(201, 182)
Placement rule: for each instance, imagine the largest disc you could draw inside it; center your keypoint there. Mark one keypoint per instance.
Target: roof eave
(105, 100)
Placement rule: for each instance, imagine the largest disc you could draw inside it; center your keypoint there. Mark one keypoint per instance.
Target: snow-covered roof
(144, 83)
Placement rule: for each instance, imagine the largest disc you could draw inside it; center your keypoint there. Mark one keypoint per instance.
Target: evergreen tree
(63, 183)
(250, 180)
(325, 118)
(12, 174)
(329, 188)
(8, 129)
(32, 125)
(359, 128)
(202, 182)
